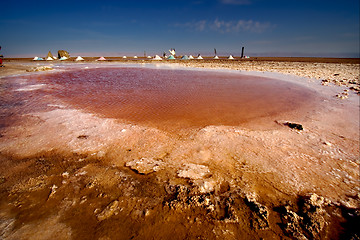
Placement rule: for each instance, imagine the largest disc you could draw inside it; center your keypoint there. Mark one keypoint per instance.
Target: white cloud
(239, 26)
(235, 2)
(196, 25)
(227, 26)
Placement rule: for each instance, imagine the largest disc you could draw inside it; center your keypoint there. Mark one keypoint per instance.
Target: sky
(313, 28)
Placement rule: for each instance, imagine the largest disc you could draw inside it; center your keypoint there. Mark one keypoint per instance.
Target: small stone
(109, 211)
(65, 174)
(53, 190)
(194, 171)
(83, 137)
(145, 165)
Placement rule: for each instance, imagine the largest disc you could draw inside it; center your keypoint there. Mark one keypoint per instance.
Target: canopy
(36, 58)
(63, 58)
(49, 59)
(185, 57)
(216, 57)
(124, 56)
(199, 57)
(135, 57)
(101, 59)
(191, 57)
(171, 57)
(231, 57)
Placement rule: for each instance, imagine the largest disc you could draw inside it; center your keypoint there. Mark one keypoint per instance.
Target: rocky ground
(69, 174)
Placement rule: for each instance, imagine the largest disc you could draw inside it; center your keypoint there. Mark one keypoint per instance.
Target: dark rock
(294, 126)
(63, 53)
(83, 137)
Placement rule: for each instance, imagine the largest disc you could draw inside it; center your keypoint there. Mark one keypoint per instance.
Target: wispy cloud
(227, 26)
(235, 2)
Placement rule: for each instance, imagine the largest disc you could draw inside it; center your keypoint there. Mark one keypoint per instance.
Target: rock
(294, 126)
(53, 190)
(110, 210)
(65, 174)
(309, 221)
(290, 124)
(145, 165)
(41, 68)
(292, 224)
(205, 186)
(194, 171)
(63, 53)
(260, 213)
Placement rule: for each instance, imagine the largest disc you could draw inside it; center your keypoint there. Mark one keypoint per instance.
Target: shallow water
(172, 99)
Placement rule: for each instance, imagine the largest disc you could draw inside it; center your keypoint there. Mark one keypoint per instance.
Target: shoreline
(230, 180)
(341, 72)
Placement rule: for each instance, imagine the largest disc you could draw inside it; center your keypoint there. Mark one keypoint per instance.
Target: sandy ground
(70, 174)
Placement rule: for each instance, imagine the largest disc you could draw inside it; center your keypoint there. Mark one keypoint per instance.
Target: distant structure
(63, 53)
(216, 56)
(49, 56)
(172, 51)
(157, 57)
(242, 52)
(79, 58)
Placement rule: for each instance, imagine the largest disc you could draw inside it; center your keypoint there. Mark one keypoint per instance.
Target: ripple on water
(168, 98)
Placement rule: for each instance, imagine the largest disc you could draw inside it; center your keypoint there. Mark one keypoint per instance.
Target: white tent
(199, 57)
(124, 57)
(231, 57)
(216, 57)
(157, 57)
(49, 59)
(79, 59)
(63, 58)
(36, 58)
(135, 57)
(101, 59)
(148, 56)
(191, 57)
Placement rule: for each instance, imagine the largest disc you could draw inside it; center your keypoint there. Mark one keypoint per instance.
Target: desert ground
(68, 172)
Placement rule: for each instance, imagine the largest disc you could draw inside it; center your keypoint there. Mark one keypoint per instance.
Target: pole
(242, 52)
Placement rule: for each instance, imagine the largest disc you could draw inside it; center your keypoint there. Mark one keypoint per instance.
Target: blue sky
(115, 28)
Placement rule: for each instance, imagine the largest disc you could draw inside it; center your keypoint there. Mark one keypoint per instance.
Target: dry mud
(70, 174)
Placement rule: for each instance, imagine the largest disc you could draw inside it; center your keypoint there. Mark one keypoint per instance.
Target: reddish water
(178, 98)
